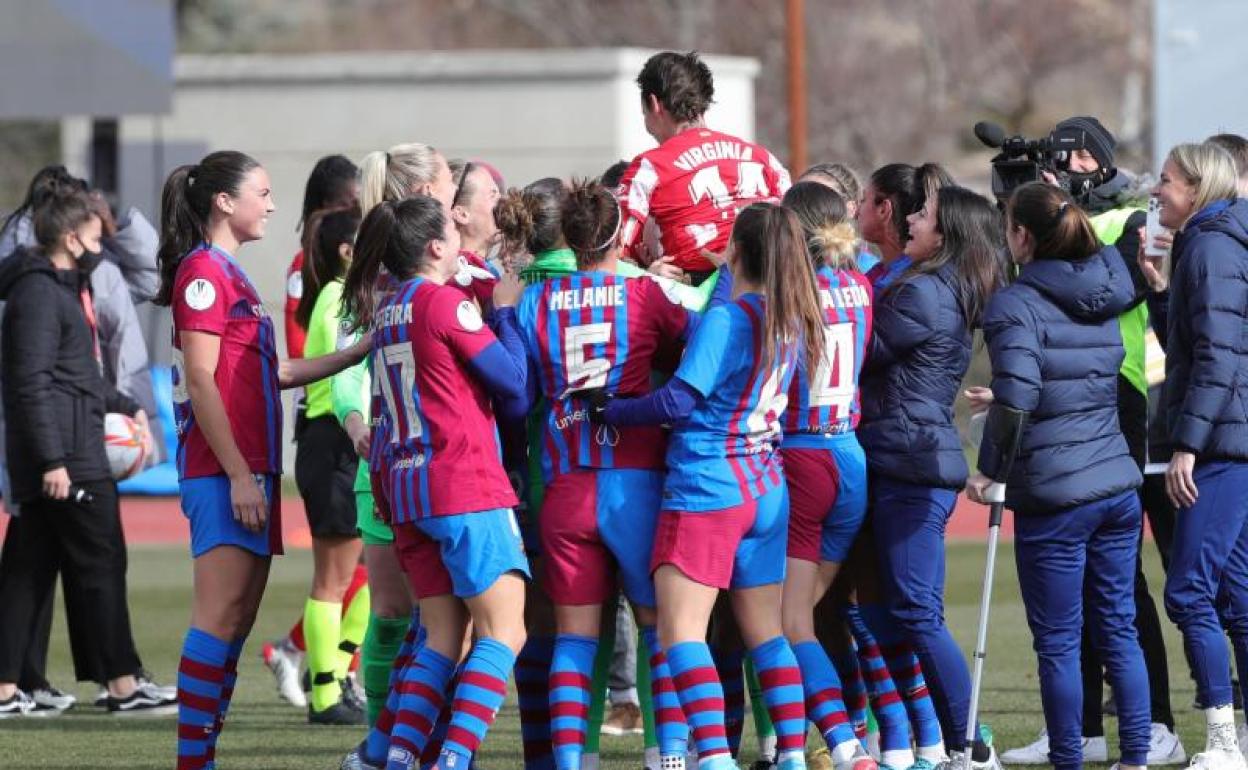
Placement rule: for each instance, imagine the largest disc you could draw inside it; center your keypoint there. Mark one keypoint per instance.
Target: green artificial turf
(263, 732)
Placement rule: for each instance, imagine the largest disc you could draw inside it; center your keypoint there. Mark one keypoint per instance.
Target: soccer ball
(123, 442)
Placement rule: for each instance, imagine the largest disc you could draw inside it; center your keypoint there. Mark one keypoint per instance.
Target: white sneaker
(284, 662)
(51, 699)
(19, 704)
(1218, 759)
(1164, 746)
(1037, 753)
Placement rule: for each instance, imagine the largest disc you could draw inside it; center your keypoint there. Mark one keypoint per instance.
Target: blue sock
(890, 712)
(227, 692)
(701, 698)
(907, 674)
(201, 676)
(670, 726)
(781, 679)
(824, 704)
(853, 688)
(729, 667)
(422, 690)
(571, 672)
(480, 692)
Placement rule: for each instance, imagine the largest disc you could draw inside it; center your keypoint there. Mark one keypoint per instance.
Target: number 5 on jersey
(585, 373)
(400, 357)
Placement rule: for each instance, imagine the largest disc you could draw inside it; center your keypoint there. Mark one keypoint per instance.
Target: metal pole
(795, 46)
(995, 494)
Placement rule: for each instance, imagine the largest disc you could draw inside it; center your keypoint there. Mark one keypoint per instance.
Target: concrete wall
(530, 113)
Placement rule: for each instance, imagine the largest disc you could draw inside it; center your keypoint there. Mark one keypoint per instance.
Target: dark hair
(47, 181)
(331, 185)
(680, 81)
(591, 222)
(831, 238)
(185, 206)
(396, 235)
(60, 210)
(908, 187)
(1237, 146)
(767, 244)
(614, 174)
(326, 231)
(530, 219)
(973, 242)
(1060, 228)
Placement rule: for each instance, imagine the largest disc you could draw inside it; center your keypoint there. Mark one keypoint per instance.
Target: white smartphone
(1153, 228)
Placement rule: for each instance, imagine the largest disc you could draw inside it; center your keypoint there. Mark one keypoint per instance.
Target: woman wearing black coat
(1056, 350)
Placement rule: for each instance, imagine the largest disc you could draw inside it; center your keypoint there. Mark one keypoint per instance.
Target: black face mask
(1082, 183)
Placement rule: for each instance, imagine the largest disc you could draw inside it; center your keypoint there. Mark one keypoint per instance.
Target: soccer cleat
(52, 699)
(624, 719)
(341, 713)
(145, 701)
(19, 704)
(101, 698)
(284, 661)
(355, 760)
(861, 760)
(1218, 759)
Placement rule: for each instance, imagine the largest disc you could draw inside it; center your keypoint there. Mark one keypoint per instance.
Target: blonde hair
(1208, 168)
(391, 175)
(839, 177)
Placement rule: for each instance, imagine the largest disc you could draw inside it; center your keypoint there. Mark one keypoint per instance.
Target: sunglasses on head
(459, 185)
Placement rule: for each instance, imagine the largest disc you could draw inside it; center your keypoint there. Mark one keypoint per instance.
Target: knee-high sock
(764, 730)
(598, 687)
(433, 749)
(481, 690)
(322, 627)
(670, 725)
(201, 675)
(824, 704)
(570, 682)
(422, 689)
(853, 689)
(728, 667)
(377, 742)
(533, 693)
(354, 624)
(701, 696)
(903, 666)
(227, 692)
(382, 641)
(781, 681)
(886, 703)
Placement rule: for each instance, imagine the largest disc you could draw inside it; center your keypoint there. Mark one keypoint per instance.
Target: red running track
(159, 521)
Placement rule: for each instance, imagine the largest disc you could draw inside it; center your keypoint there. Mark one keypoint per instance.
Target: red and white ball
(123, 442)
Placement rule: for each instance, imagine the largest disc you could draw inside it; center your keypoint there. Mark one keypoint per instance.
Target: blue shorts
(206, 504)
(738, 547)
(593, 521)
(463, 554)
(828, 495)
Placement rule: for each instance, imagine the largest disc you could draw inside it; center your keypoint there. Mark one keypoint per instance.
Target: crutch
(1003, 433)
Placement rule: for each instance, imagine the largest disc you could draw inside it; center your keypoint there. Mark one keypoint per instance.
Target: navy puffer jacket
(920, 350)
(1206, 388)
(1056, 349)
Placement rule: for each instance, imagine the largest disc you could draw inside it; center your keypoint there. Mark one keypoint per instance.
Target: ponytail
(394, 235)
(830, 235)
(397, 173)
(186, 207)
(768, 244)
(530, 219)
(591, 222)
(324, 233)
(1060, 229)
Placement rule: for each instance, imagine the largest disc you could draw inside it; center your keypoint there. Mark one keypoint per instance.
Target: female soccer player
(919, 353)
(823, 461)
(1055, 347)
(595, 330)
(725, 505)
(226, 378)
(436, 365)
(1206, 376)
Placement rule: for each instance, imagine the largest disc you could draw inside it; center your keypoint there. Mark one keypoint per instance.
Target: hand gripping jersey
(212, 294)
(827, 403)
(725, 451)
(597, 330)
(435, 436)
(693, 185)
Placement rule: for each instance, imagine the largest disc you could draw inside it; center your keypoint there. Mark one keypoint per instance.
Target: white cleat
(284, 662)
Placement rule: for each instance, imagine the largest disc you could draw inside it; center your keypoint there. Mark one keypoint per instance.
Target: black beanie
(1096, 138)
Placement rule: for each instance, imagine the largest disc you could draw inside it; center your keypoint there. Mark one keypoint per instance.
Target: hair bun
(835, 243)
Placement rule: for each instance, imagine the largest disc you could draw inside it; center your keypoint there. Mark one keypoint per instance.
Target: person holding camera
(56, 399)
(1115, 203)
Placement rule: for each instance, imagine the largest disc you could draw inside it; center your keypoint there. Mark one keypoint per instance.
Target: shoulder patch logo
(469, 317)
(294, 285)
(200, 294)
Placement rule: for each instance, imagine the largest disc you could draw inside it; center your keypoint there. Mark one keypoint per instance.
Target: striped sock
(728, 667)
(422, 690)
(853, 688)
(532, 693)
(764, 731)
(907, 674)
(701, 697)
(570, 673)
(781, 679)
(201, 675)
(670, 727)
(886, 702)
(477, 698)
(823, 695)
(227, 693)
(377, 744)
(433, 749)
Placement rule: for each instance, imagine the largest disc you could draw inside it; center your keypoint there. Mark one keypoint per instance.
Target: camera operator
(1116, 205)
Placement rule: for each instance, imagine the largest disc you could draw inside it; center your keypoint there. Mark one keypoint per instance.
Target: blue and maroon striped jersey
(597, 330)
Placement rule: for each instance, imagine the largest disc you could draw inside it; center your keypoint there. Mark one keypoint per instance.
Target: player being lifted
(696, 180)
